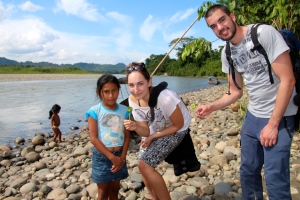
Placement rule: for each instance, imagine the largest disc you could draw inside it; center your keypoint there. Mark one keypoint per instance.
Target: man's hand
(268, 135)
(203, 111)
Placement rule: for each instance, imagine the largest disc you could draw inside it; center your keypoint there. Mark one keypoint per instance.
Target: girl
(167, 127)
(110, 139)
(55, 122)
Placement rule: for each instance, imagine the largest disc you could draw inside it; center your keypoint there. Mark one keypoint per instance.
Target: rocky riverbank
(41, 169)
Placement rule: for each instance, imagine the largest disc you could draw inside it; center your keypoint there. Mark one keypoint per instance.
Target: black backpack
(294, 45)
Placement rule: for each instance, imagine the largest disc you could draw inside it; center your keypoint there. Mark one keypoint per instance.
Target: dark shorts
(101, 166)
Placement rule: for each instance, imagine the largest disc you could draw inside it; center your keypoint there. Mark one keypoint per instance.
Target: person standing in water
(55, 122)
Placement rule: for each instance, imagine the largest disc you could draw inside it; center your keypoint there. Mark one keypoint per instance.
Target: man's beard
(233, 33)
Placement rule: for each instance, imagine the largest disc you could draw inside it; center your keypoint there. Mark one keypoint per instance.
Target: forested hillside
(89, 67)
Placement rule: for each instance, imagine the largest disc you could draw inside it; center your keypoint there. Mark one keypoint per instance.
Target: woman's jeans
(276, 159)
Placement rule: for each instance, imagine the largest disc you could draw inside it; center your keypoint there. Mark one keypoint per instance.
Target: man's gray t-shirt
(254, 69)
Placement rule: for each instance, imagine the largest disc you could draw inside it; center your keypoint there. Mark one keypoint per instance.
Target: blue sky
(96, 31)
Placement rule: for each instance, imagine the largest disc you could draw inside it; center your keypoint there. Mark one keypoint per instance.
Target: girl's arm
(52, 121)
(58, 120)
(93, 129)
(126, 144)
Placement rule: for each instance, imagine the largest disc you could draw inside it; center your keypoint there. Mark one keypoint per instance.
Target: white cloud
(32, 40)
(148, 28)
(28, 6)
(180, 16)
(123, 41)
(24, 36)
(5, 11)
(80, 8)
(120, 17)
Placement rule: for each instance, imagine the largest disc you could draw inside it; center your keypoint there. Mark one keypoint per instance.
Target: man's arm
(225, 100)
(282, 67)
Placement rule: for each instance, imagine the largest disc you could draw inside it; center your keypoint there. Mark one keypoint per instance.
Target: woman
(167, 127)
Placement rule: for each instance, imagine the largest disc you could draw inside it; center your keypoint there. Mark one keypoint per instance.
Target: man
(268, 126)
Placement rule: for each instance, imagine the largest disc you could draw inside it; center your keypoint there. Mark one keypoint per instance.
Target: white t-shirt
(254, 69)
(166, 104)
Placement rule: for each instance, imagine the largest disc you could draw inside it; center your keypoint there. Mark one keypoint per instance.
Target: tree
(282, 14)
(181, 44)
(153, 61)
(196, 49)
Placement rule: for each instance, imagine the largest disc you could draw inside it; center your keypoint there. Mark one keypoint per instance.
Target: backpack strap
(258, 47)
(154, 93)
(231, 68)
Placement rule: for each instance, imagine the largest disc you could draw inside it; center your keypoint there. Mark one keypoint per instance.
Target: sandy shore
(32, 77)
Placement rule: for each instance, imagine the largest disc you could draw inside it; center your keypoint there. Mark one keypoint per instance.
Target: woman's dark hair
(215, 7)
(106, 78)
(142, 69)
(55, 109)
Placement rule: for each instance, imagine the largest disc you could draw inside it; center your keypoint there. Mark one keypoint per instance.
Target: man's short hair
(215, 7)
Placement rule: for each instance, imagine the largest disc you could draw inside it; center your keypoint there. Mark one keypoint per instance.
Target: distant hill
(90, 67)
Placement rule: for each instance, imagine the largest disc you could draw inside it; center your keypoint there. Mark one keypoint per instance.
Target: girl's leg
(55, 134)
(103, 191)
(59, 135)
(154, 180)
(113, 188)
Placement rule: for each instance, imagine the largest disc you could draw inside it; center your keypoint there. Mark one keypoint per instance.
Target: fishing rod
(174, 46)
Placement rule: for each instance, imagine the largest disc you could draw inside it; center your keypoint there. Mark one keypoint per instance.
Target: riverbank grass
(41, 70)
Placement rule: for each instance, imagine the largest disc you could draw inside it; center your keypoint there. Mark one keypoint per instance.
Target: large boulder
(38, 140)
(5, 152)
(27, 150)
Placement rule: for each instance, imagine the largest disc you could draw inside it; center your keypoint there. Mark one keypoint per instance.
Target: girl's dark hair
(215, 7)
(55, 108)
(106, 78)
(143, 71)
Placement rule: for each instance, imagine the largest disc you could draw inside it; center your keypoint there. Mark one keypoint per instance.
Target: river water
(25, 105)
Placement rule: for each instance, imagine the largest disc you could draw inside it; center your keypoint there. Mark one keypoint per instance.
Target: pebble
(41, 169)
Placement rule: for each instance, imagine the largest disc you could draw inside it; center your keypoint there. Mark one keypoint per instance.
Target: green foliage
(196, 48)
(282, 14)
(212, 67)
(155, 60)
(17, 69)
(90, 67)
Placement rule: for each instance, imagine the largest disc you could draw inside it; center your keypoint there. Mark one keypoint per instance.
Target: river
(25, 105)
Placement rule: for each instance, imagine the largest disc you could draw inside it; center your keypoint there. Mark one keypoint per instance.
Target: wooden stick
(173, 47)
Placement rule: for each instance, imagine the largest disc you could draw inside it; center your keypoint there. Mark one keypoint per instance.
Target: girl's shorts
(101, 166)
(160, 148)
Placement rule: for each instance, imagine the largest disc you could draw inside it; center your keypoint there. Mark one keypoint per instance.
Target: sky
(96, 31)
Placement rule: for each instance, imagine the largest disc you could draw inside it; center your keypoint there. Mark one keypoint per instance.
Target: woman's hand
(146, 143)
(130, 125)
